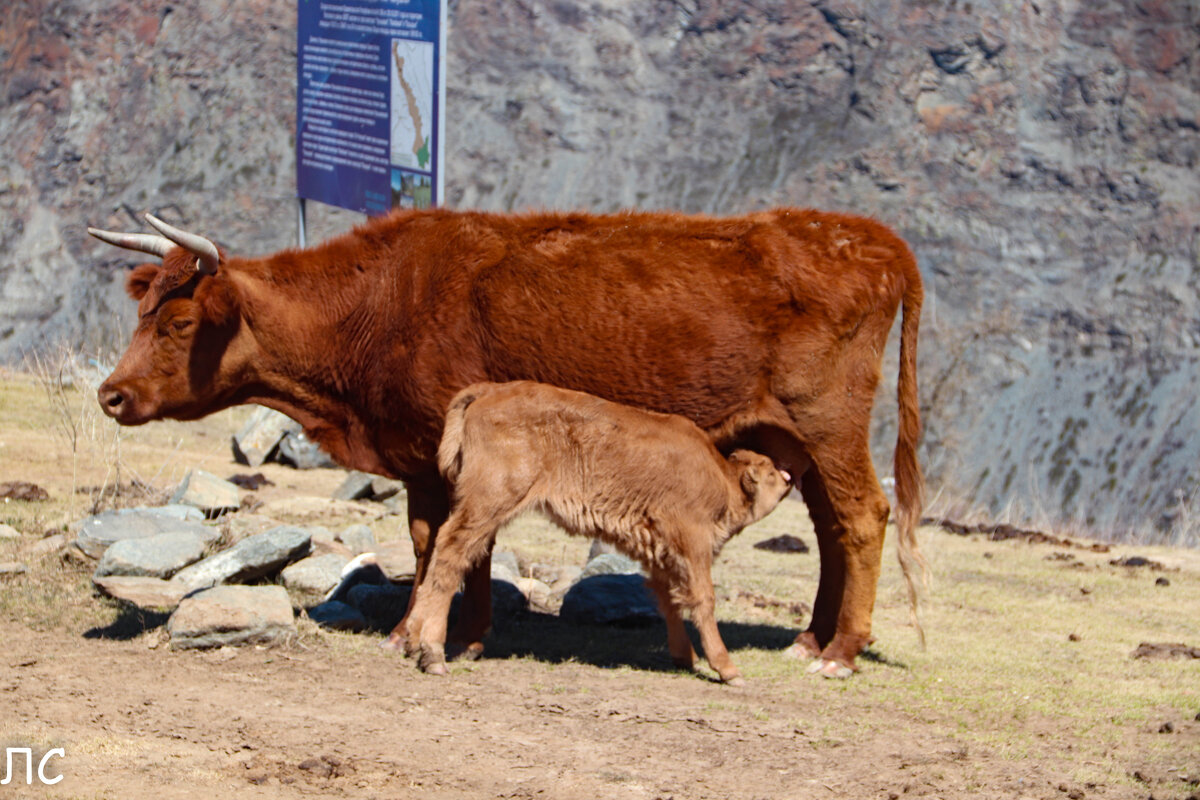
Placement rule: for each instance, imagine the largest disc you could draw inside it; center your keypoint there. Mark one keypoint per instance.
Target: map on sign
(412, 103)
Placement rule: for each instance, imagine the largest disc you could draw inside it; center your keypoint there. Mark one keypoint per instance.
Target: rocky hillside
(1041, 158)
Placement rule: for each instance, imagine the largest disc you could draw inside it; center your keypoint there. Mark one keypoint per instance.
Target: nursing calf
(650, 484)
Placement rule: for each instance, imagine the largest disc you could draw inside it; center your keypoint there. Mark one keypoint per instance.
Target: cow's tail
(450, 450)
(910, 486)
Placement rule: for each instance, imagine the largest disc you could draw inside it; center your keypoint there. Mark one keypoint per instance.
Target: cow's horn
(207, 257)
(141, 242)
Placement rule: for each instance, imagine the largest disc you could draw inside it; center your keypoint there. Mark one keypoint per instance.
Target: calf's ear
(139, 280)
(749, 480)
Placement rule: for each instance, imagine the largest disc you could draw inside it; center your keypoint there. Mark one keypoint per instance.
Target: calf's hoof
(432, 660)
(734, 680)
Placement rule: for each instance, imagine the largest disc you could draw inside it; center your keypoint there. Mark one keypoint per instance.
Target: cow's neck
(304, 365)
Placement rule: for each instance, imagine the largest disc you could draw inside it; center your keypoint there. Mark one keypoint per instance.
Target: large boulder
(252, 558)
(232, 615)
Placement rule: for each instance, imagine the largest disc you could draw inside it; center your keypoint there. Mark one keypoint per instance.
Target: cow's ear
(139, 280)
(750, 478)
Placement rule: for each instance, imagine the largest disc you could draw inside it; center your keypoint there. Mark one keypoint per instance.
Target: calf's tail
(450, 449)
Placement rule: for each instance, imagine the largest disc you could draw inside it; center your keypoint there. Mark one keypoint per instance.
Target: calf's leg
(678, 642)
(460, 544)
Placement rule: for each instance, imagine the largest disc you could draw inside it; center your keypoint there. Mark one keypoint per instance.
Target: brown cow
(766, 330)
(653, 485)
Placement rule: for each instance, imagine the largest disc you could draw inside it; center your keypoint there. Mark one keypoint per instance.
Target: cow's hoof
(736, 680)
(799, 652)
(469, 652)
(395, 643)
(828, 668)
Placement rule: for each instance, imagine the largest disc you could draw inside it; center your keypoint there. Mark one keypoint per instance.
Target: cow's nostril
(111, 400)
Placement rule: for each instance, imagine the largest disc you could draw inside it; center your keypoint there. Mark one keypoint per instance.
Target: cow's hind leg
(849, 512)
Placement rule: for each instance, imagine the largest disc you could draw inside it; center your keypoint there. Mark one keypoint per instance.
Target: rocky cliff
(1040, 157)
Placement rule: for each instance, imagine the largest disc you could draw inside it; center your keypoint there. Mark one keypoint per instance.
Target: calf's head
(187, 317)
(763, 484)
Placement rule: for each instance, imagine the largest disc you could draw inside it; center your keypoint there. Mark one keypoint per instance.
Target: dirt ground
(274, 723)
(1027, 688)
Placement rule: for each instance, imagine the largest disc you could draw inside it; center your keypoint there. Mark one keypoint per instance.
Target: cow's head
(763, 484)
(187, 317)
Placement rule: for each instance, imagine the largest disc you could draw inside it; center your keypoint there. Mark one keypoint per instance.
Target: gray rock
(337, 616)
(381, 605)
(503, 571)
(297, 450)
(8, 568)
(232, 615)
(506, 563)
(153, 556)
(397, 560)
(611, 564)
(359, 538)
(255, 443)
(205, 491)
(239, 526)
(315, 574)
(568, 575)
(356, 486)
(253, 557)
(148, 593)
(8, 533)
(538, 594)
(609, 600)
(362, 569)
(100, 531)
(507, 601)
(384, 488)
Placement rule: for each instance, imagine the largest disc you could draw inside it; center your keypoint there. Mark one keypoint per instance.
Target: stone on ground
(205, 491)
(297, 450)
(337, 616)
(8, 533)
(609, 600)
(98, 532)
(253, 557)
(315, 574)
(152, 557)
(611, 564)
(255, 443)
(359, 538)
(148, 593)
(232, 615)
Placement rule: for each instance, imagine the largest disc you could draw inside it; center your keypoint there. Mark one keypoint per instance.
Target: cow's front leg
(428, 508)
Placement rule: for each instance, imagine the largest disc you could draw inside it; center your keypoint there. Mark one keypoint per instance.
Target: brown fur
(766, 330)
(650, 484)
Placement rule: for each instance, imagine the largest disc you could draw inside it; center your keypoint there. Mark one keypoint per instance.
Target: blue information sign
(369, 122)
